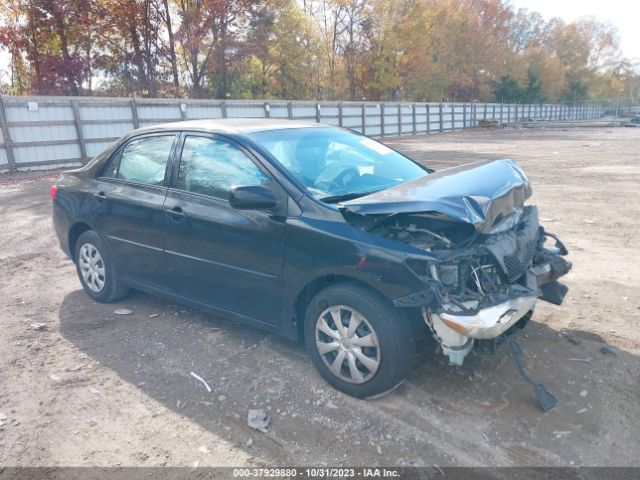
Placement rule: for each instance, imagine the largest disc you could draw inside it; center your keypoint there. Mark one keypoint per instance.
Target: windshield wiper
(348, 196)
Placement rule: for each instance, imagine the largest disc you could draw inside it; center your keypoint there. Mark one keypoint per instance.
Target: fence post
(290, 110)
(79, 132)
(340, 114)
(364, 118)
(134, 112)
(381, 119)
(223, 108)
(453, 117)
(267, 110)
(413, 118)
(464, 116)
(399, 119)
(317, 113)
(441, 119)
(6, 138)
(428, 119)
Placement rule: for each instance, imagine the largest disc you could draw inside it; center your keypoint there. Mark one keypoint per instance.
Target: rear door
(127, 204)
(228, 258)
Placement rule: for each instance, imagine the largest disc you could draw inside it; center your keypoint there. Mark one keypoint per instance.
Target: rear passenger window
(143, 160)
(212, 167)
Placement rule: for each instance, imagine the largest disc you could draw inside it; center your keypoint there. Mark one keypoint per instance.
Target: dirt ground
(95, 388)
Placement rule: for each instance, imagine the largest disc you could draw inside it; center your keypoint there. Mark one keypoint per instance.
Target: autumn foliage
(456, 50)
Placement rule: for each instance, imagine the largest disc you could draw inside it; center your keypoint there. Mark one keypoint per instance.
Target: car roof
(234, 125)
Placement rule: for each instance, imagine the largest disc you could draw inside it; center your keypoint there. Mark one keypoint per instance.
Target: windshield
(334, 164)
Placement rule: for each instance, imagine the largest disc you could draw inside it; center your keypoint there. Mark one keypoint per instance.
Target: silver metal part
(348, 344)
(92, 267)
(456, 331)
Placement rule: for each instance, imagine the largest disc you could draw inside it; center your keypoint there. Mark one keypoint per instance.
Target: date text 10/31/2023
(323, 472)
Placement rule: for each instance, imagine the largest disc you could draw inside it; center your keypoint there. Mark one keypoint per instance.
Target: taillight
(53, 192)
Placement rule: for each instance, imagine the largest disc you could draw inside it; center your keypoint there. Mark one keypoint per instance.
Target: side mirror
(252, 197)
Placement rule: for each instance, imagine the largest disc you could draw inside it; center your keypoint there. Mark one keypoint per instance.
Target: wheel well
(75, 232)
(413, 315)
(313, 287)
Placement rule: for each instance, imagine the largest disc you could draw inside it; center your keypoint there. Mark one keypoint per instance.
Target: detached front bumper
(488, 322)
(456, 332)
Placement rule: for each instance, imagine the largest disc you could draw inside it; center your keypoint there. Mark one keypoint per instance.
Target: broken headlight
(448, 275)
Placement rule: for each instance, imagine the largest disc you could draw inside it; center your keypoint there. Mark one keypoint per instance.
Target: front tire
(358, 341)
(97, 272)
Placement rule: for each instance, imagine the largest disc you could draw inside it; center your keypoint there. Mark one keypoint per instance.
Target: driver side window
(213, 167)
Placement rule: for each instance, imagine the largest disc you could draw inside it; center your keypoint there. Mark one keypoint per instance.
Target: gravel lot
(95, 388)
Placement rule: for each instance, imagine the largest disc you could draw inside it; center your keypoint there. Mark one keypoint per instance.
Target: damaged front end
(484, 260)
(480, 291)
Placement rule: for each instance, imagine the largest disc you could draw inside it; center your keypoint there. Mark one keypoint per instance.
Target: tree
(52, 38)
(456, 50)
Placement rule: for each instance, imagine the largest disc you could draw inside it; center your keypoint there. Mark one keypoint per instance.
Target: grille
(514, 249)
(516, 264)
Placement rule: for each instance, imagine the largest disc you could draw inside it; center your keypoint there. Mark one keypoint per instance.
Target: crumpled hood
(481, 194)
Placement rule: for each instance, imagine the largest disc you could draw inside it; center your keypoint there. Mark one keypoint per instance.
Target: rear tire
(368, 353)
(98, 274)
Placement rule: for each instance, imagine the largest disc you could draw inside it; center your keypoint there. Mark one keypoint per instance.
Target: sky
(624, 14)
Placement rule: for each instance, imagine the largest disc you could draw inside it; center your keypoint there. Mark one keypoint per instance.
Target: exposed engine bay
(480, 279)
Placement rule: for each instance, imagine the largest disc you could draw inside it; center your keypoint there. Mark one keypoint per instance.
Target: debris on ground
(583, 360)
(488, 124)
(570, 338)
(200, 379)
(583, 393)
(122, 311)
(258, 420)
(154, 315)
(3, 419)
(203, 449)
(607, 350)
(249, 443)
(38, 326)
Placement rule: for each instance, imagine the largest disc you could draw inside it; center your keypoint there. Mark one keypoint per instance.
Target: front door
(228, 258)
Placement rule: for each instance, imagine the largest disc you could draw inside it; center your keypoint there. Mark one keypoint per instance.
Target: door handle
(100, 196)
(175, 213)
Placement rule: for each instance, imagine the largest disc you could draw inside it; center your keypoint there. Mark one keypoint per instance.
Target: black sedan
(312, 232)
